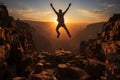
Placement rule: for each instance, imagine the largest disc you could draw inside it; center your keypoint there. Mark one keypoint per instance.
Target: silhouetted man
(60, 20)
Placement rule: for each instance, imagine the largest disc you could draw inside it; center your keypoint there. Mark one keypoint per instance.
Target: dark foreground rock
(15, 42)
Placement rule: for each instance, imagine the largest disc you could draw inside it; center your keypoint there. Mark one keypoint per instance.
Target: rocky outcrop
(5, 20)
(106, 48)
(115, 17)
(111, 29)
(110, 38)
(15, 42)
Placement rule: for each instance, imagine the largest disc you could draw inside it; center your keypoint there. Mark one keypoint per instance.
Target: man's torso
(60, 18)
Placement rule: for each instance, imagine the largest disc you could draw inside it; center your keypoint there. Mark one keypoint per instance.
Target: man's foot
(58, 35)
(69, 36)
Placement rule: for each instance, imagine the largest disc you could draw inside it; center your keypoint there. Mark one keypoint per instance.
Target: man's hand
(51, 4)
(70, 4)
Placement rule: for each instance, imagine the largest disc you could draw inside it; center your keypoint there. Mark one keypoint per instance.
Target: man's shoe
(70, 36)
(58, 36)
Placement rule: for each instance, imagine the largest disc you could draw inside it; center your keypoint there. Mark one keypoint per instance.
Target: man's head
(60, 10)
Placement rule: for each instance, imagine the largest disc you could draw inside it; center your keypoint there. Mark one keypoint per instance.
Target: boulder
(71, 73)
(19, 78)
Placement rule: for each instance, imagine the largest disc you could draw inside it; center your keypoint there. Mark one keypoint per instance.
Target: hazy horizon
(45, 36)
(57, 22)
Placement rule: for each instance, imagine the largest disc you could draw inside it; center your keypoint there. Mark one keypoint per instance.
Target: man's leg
(57, 30)
(64, 26)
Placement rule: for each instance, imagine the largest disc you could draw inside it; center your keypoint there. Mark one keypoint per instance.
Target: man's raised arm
(67, 8)
(53, 8)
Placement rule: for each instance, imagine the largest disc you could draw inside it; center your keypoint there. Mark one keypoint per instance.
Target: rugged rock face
(5, 19)
(15, 42)
(110, 36)
(115, 17)
(106, 48)
(111, 45)
(111, 29)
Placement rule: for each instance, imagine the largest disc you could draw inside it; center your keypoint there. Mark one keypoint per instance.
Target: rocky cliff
(15, 42)
(111, 29)
(110, 38)
(106, 48)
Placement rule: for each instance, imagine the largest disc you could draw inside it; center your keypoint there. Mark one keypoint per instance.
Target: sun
(55, 21)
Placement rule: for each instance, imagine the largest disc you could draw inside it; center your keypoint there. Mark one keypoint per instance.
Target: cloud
(20, 11)
(111, 5)
(94, 15)
(85, 13)
(29, 13)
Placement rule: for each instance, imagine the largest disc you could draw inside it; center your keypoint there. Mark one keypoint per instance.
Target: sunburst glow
(55, 21)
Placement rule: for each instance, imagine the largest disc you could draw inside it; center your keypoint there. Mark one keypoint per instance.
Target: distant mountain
(39, 32)
(44, 35)
(90, 32)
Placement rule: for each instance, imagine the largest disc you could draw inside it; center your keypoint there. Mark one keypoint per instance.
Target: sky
(81, 11)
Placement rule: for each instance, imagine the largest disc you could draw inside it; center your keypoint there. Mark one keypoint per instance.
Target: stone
(38, 68)
(19, 78)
